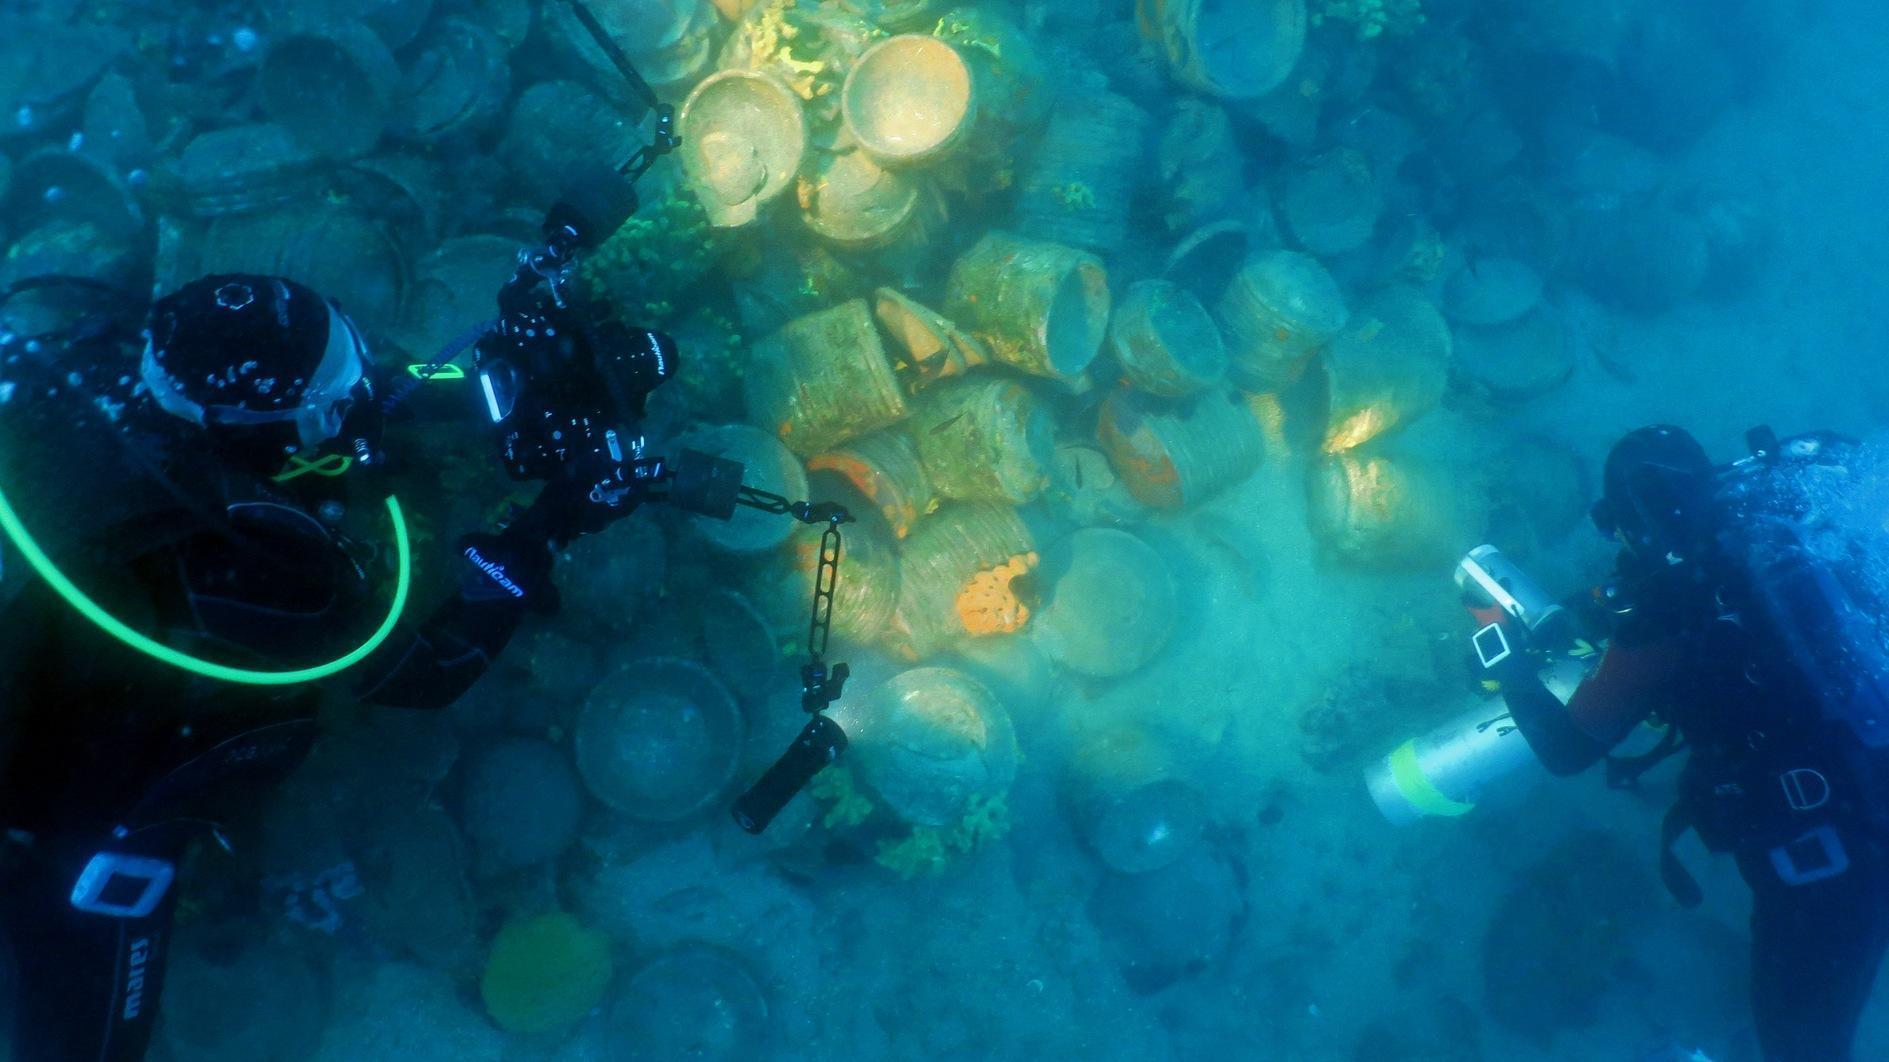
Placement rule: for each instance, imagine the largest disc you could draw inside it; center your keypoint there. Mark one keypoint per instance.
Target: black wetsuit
(1819, 928)
(105, 750)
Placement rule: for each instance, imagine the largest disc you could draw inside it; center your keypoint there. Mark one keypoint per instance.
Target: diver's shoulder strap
(173, 500)
(262, 753)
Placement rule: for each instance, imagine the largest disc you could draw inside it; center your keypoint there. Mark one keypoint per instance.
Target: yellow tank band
(1415, 786)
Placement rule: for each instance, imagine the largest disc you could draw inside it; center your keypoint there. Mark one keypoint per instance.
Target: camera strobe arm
(638, 86)
(804, 511)
(711, 486)
(822, 740)
(663, 140)
(591, 208)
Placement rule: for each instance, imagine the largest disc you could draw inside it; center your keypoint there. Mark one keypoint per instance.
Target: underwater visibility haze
(613, 530)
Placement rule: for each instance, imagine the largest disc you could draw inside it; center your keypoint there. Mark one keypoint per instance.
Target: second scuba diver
(1725, 625)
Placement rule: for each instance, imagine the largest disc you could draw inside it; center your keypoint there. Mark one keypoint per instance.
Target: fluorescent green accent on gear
(331, 466)
(448, 371)
(36, 558)
(1413, 785)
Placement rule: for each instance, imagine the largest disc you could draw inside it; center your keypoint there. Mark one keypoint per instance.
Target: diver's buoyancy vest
(1796, 720)
(293, 612)
(93, 726)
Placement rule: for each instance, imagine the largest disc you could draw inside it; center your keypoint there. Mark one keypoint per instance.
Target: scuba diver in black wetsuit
(1754, 642)
(142, 697)
(111, 764)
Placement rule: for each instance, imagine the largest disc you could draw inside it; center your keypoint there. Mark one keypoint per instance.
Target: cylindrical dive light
(1449, 770)
(820, 742)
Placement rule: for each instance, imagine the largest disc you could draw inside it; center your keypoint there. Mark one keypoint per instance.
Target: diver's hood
(316, 405)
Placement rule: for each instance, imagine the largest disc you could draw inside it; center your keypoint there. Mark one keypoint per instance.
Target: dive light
(1489, 580)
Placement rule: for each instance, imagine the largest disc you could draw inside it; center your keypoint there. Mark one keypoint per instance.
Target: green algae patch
(929, 850)
(839, 794)
(545, 973)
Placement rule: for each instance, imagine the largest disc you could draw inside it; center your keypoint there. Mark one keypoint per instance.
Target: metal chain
(825, 579)
(819, 687)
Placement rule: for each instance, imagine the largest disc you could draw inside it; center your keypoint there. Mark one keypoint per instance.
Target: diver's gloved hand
(1521, 664)
(511, 565)
(517, 561)
(1522, 667)
(593, 489)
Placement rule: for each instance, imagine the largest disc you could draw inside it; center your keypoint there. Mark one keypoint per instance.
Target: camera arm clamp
(711, 486)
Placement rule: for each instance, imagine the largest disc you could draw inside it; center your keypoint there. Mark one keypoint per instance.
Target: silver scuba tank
(1451, 769)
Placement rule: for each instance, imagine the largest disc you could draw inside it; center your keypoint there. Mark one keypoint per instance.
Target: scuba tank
(1451, 769)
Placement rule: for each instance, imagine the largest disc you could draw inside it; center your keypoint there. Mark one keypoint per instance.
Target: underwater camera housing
(562, 392)
(1494, 588)
(561, 387)
(569, 398)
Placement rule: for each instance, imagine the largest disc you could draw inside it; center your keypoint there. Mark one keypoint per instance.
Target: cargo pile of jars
(1013, 280)
(1019, 281)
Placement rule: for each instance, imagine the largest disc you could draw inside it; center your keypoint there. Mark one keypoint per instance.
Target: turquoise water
(1127, 629)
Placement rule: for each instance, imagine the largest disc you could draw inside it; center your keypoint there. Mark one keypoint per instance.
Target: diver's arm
(502, 577)
(437, 662)
(1632, 679)
(1560, 745)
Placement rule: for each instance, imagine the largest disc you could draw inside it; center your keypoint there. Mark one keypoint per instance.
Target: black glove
(1522, 662)
(581, 503)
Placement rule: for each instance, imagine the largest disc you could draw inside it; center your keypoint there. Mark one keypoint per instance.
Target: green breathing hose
(37, 559)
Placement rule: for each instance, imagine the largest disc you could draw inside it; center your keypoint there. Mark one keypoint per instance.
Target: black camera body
(574, 399)
(565, 391)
